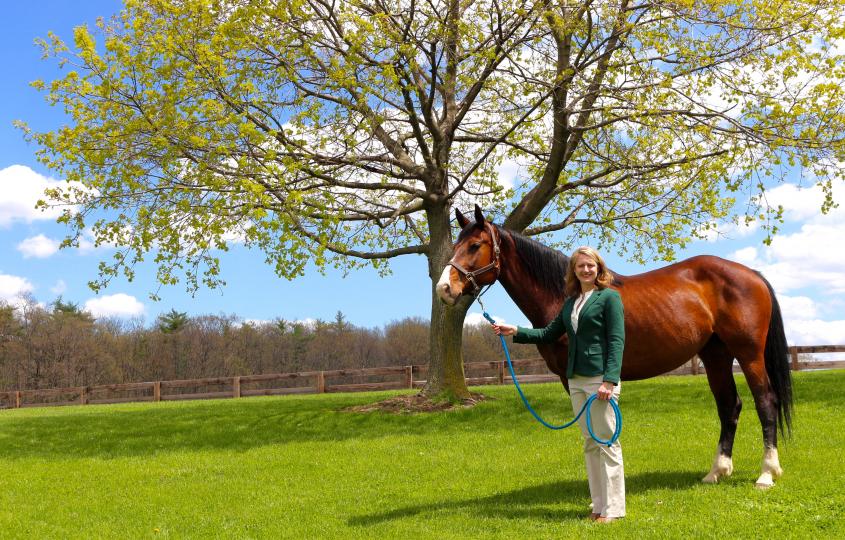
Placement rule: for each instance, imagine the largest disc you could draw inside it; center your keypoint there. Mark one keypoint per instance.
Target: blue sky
(805, 263)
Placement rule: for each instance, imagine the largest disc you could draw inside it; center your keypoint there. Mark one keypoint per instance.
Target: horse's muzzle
(444, 292)
(444, 288)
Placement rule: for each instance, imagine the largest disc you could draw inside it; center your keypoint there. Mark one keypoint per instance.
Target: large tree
(344, 132)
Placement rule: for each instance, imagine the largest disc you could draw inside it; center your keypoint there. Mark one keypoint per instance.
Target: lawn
(300, 467)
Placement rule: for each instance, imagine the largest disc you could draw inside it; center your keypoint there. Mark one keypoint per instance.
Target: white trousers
(605, 471)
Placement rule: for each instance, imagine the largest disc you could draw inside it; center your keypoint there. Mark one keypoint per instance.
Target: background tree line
(62, 345)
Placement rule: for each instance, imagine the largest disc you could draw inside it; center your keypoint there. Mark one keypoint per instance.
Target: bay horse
(706, 306)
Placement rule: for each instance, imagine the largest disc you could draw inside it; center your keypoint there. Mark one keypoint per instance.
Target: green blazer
(596, 349)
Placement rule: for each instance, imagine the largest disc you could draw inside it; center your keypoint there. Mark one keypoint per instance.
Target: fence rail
(316, 382)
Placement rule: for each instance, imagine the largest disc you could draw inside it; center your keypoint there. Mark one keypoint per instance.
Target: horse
(707, 306)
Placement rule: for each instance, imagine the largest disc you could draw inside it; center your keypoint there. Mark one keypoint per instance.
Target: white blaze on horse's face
(475, 259)
(474, 264)
(445, 289)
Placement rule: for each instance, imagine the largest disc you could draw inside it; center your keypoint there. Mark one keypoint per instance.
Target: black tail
(777, 363)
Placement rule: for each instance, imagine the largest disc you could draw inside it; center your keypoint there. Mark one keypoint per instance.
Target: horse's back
(672, 312)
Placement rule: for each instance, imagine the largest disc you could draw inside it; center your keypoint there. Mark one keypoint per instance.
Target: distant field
(297, 467)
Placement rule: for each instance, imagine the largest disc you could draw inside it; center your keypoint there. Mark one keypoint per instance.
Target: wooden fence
(341, 380)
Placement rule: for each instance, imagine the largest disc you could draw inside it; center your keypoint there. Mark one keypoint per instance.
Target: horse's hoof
(718, 473)
(722, 468)
(765, 481)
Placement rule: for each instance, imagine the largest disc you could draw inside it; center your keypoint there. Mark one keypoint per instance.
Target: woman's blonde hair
(603, 276)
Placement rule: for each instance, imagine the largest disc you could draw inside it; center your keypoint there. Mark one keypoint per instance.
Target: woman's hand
(605, 391)
(504, 329)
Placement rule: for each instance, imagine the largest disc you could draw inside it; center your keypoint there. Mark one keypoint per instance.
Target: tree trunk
(446, 379)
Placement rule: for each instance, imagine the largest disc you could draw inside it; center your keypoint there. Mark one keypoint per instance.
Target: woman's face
(586, 269)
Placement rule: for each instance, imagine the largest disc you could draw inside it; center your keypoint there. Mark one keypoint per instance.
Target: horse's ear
(479, 216)
(462, 221)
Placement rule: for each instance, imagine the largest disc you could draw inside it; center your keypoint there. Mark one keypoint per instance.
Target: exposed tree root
(417, 403)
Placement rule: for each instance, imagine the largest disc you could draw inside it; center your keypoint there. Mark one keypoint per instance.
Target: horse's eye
(475, 246)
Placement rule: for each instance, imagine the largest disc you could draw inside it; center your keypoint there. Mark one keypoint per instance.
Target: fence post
(793, 352)
(321, 382)
(409, 376)
(236, 387)
(157, 391)
(83, 395)
(17, 399)
(694, 365)
(501, 372)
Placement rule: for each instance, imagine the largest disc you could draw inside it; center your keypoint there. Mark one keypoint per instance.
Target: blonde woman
(593, 318)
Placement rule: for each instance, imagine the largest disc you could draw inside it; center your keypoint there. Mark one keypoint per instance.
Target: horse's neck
(534, 300)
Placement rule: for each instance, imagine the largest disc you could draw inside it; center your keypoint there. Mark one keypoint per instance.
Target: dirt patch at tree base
(416, 404)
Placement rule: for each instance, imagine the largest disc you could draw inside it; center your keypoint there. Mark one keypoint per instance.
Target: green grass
(297, 467)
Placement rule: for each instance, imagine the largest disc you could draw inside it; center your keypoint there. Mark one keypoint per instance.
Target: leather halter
(471, 275)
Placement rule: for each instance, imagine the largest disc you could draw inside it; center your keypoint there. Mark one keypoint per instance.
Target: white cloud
(813, 244)
(476, 318)
(815, 332)
(86, 245)
(308, 323)
(799, 204)
(809, 257)
(722, 231)
(59, 288)
(801, 317)
(39, 247)
(747, 256)
(20, 189)
(87, 241)
(42, 246)
(13, 287)
(507, 173)
(797, 307)
(115, 305)
(255, 322)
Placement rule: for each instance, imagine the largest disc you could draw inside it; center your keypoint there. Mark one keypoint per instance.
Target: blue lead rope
(585, 407)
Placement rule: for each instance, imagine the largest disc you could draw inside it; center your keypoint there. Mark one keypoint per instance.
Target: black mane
(546, 265)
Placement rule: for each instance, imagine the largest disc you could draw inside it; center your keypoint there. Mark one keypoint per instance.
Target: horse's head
(475, 259)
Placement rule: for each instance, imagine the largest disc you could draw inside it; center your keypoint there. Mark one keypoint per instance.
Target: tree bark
(446, 379)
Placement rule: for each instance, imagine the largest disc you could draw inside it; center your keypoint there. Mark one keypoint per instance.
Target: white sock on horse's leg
(723, 466)
(771, 469)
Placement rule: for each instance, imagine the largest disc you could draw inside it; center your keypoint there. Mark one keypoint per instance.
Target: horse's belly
(642, 359)
(639, 363)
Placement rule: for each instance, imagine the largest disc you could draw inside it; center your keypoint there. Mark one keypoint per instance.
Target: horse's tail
(777, 363)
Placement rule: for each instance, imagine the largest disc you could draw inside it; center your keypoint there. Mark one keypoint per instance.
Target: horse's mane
(546, 265)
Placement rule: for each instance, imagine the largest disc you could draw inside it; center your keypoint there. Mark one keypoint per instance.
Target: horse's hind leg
(766, 402)
(718, 364)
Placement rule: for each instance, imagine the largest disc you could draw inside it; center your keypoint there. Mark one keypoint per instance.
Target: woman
(593, 319)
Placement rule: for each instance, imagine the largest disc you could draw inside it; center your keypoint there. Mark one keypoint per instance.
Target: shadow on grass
(534, 502)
